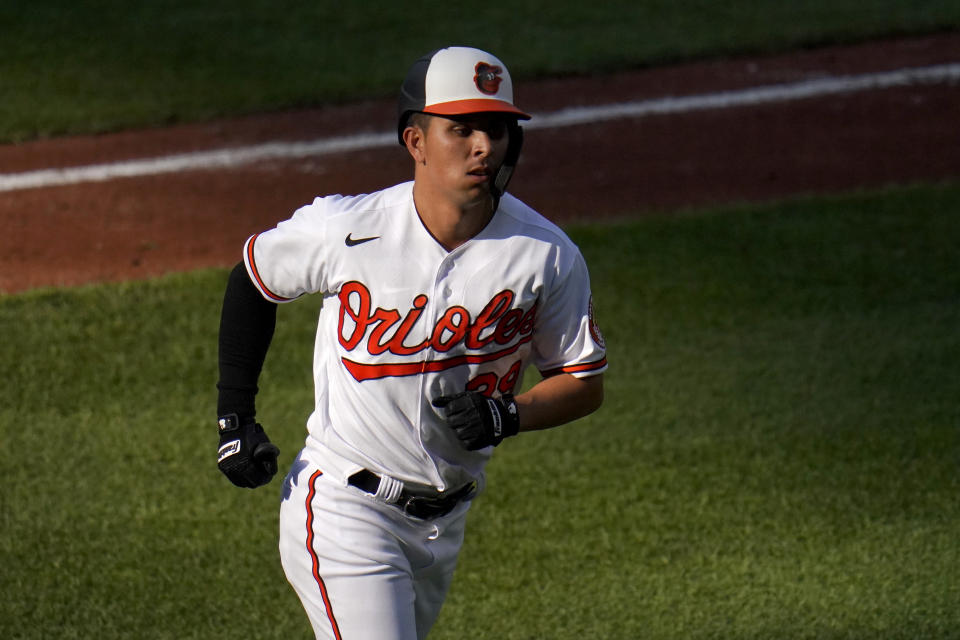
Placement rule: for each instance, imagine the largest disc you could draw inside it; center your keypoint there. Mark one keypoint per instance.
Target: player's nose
(482, 143)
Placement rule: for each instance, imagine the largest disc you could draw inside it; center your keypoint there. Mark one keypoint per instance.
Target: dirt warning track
(143, 203)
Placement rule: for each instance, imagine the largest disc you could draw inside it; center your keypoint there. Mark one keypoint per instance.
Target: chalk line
(242, 156)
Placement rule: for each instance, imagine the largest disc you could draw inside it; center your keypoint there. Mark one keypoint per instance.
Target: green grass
(778, 454)
(102, 65)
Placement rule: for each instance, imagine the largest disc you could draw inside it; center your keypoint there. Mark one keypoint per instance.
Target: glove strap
(233, 422)
(229, 422)
(511, 419)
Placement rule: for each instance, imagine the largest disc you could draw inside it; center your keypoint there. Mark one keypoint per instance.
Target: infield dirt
(141, 227)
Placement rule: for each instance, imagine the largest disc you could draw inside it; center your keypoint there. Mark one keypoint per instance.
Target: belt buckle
(425, 508)
(439, 506)
(409, 506)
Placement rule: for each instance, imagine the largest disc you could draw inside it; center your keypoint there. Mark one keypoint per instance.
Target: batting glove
(246, 455)
(479, 421)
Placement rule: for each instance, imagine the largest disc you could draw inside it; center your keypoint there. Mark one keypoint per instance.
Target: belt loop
(389, 489)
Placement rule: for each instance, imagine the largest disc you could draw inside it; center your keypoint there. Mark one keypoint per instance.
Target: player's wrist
(234, 400)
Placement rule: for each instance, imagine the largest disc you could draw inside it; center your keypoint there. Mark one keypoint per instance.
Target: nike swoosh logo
(352, 242)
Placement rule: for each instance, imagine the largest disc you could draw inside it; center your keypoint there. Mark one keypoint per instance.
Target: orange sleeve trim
(252, 269)
(576, 368)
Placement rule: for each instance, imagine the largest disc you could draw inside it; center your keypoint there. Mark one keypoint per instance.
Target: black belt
(422, 507)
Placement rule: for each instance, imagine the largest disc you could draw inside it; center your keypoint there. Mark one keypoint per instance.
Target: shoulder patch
(594, 327)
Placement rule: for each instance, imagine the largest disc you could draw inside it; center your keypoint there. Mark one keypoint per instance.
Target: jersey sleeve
(287, 261)
(568, 339)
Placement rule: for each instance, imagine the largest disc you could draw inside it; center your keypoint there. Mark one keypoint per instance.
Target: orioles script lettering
(497, 331)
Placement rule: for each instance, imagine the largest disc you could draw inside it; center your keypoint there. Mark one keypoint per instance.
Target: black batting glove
(246, 455)
(479, 421)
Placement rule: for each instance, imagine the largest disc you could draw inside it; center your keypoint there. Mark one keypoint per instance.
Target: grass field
(778, 455)
(102, 65)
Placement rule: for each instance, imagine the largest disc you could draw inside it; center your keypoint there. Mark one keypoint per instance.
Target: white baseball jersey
(405, 321)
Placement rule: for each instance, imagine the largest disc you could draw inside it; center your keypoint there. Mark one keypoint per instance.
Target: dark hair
(419, 119)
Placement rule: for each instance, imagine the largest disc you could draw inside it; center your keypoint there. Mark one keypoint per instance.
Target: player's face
(462, 154)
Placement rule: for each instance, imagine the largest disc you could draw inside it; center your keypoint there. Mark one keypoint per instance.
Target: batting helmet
(460, 81)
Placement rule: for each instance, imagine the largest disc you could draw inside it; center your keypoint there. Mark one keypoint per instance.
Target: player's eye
(496, 130)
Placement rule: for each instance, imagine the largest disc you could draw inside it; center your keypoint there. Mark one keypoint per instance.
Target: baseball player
(437, 294)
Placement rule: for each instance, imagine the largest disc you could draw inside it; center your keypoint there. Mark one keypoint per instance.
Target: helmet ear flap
(515, 133)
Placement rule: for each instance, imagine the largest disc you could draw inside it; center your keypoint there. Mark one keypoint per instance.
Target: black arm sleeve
(247, 323)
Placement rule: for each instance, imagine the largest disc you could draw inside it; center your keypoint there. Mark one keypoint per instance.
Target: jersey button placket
(443, 288)
(443, 293)
(439, 302)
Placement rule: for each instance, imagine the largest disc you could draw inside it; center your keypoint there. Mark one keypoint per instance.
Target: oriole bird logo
(487, 77)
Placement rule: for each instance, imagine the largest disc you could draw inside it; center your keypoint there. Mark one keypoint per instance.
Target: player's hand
(479, 421)
(246, 455)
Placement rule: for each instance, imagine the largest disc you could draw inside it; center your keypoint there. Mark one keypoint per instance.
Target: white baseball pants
(363, 569)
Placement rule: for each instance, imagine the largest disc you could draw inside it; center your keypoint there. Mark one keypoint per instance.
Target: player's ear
(413, 138)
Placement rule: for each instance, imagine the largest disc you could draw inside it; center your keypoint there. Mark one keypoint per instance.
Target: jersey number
(487, 383)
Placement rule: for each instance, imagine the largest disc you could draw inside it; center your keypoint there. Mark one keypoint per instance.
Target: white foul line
(240, 156)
